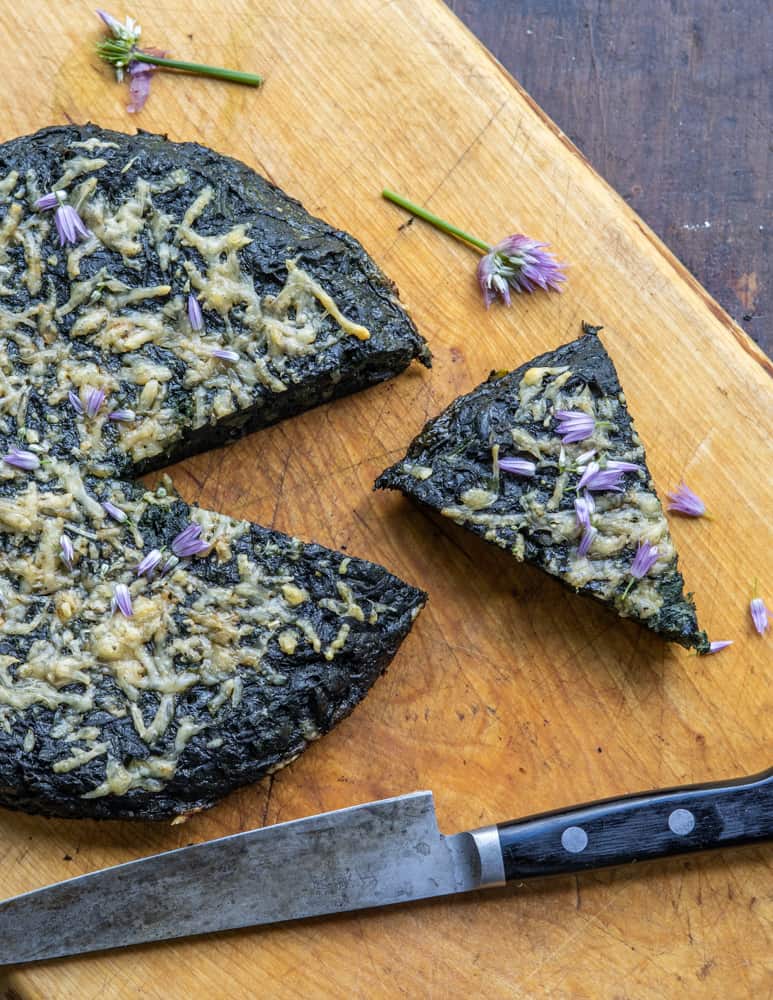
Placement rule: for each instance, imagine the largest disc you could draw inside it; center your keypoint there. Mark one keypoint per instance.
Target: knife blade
(372, 855)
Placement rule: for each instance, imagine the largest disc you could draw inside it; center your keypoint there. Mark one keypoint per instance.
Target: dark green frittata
(454, 467)
(231, 660)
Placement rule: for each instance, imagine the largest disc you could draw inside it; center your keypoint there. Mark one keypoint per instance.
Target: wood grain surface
(671, 103)
(510, 696)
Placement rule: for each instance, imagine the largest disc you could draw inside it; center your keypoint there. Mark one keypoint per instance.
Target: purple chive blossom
(67, 551)
(122, 600)
(94, 400)
(583, 508)
(195, 315)
(714, 647)
(149, 563)
(517, 466)
(224, 354)
(597, 479)
(518, 263)
(645, 558)
(69, 225)
(759, 615)
(115, 512)
(75, 402)
(189, 542)
(684, 501)
(574, 425)
(21, 459)
(47, 202)
(122, 416)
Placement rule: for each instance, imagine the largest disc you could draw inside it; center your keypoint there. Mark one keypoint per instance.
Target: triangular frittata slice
(454, 467)
(229, 664)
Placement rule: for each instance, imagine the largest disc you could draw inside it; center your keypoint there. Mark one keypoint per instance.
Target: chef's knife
(368, 856)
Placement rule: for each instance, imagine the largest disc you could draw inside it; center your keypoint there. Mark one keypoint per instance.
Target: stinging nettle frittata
(544, 462)
(152, 655)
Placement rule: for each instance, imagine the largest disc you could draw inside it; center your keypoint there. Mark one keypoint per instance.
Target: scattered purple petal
(684, 501)
(195, 315)
(517, 466)
(75, 402)
(583, 508)
(115, 512)
(122, 416)
(68, 552)
(645, 558)
(597, 479)
(70, 226)
(224, 354)
(94, 400)
(587, 540)
(189, 542)
(759, 613)
(518, 263)
(149, 563)
(714, 647)
(615, 466)
(47, 202)
(122, 600)
(574, 425)
(21, 459)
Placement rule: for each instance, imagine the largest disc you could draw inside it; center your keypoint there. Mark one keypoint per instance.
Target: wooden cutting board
(510, 696)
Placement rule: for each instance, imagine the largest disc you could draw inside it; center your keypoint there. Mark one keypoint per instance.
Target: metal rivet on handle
(574, 839)
(681, 822)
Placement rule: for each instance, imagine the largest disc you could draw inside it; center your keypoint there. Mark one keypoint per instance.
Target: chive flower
(645, 558)
(115, 512)
(75, 402)
(616, 466)
(195, 315)
(121, 49)
(69, 225)
(759, 613)
(517, 466)
(684, 501)
(21, 459)
(94, 400)
(122, 600)
(584, 508)
(516, 263)
(224, 354)
(574, 425)
(149, 563)
(599, 480)
(68, 552)
(714, 647)
(189, 542)
(122, 416)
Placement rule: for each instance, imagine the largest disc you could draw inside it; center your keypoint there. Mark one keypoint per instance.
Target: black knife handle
(639, 827)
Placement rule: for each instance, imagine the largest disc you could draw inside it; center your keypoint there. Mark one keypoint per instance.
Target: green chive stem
(234, 75)
(434, 220)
